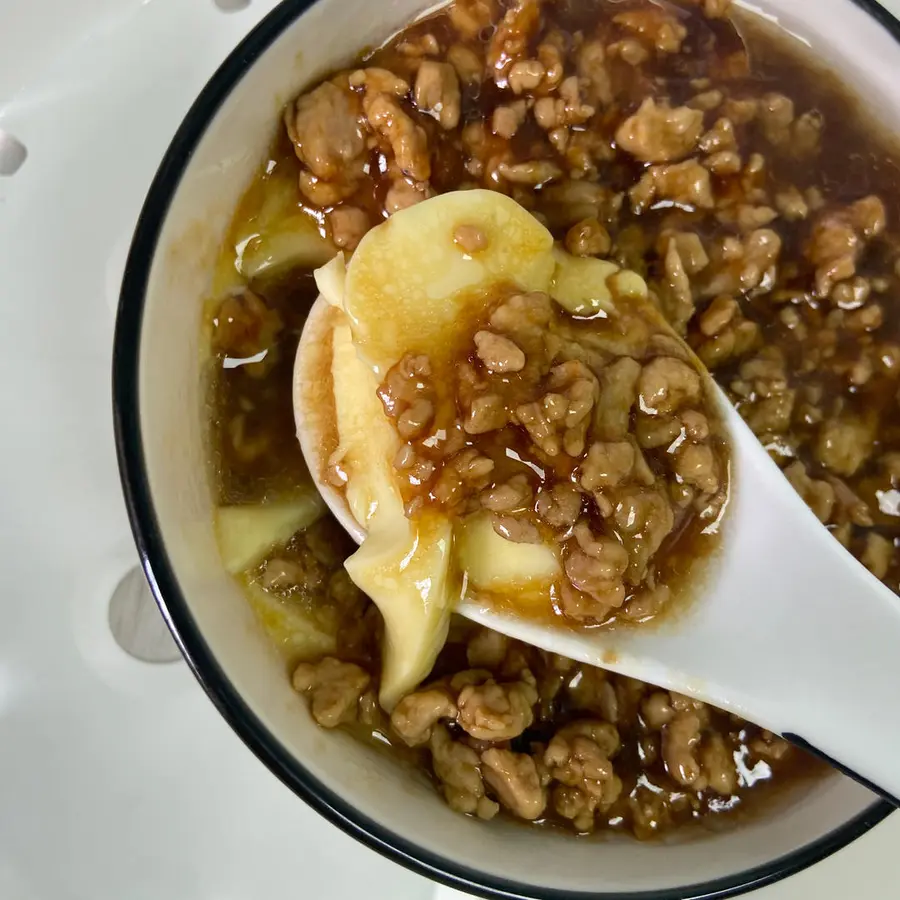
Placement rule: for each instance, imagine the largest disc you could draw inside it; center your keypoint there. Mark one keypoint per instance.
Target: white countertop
(119, 779)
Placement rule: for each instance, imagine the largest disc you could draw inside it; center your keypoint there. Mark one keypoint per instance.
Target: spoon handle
(816, 634)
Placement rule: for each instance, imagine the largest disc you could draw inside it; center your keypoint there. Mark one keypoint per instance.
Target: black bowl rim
(172, 603)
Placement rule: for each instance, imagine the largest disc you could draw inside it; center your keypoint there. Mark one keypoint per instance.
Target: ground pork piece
(437, 92)
(471, 17)
(567, 109)
(506, 120)
(776, 114)
(667, 384)
(496, 712)
(838, 240)
(579, 758)
(844, 444)
(676, 296)
(653, 432)
(245, 326)
(686, 184)
(510, 41)
(878, 555)
(594, 73)
(487, 649)
(657, 134)
(608, 464)
(588, 238)
(560, 506)
(334, 688)
(324, 127)
(644, 518)
(467, 63)
(618, 394)
(498, 353)
(742, 264)
(818, 495)
(458, 768)
(402, 194)
(487, 412)
(347, 226)
(657, 710)
(605, 550)
(408, 141)
(415, 716)
(590, 608)
(379, 81)
(599, 573)
(515, 780)
(523, 315)
(511, 496)
(517, 530)
(656, 26)
(696, 465)
(629, 51)
(719, 138)
(526, 75)
(718, 765)
(535, 172)
(680, 742)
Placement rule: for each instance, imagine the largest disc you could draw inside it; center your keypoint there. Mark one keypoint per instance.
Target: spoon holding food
(515, 434)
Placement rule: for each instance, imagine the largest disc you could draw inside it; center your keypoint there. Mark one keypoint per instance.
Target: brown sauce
(813, 365)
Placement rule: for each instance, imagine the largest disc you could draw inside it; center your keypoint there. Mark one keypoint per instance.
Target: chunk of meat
(681, 740)
(498, 353)
(878, 555)
(408, 141)
(379, 81)
(618, 394)
(579, 758)
(608, 464)
(667, 384)
(687, 184)
(334, 687)
(437, 92)
(511, 39)
(560, 506)
(515, 780)
(740, 265)
(458, 768)
(496, 712)
(415, 716)
(471, 17)
(588, 238)
(567, 109)
(506, 120)
(645, 519)
(348, 226)
(657, 134)
(512, 496)
(696, 465)
(325, 128)
(656, 26)
(402, 194)
(844, 444)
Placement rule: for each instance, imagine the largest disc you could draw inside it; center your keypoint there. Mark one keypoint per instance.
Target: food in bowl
(479, 427)
(708, 158)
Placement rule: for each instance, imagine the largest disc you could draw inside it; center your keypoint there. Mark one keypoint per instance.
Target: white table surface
(118, 780)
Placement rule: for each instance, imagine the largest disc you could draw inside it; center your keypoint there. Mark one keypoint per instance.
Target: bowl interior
(209, 166)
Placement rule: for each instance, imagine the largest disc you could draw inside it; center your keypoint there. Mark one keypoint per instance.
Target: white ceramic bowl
(160, 433)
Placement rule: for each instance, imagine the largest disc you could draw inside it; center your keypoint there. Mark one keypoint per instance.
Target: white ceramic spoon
(786, 628)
